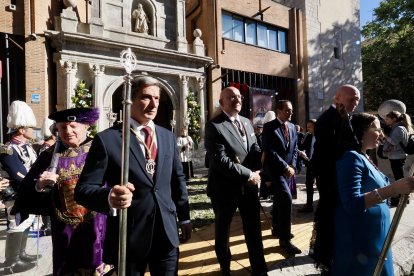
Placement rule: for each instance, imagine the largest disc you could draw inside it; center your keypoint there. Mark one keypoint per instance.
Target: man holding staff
(155, 195)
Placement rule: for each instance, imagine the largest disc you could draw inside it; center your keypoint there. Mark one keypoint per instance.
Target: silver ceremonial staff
(55, 157)
(128, 61)
(391, 232)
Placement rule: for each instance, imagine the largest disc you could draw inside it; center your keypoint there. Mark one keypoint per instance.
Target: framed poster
(261, 102)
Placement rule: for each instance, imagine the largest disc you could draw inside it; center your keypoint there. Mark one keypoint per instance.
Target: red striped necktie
(149, 143)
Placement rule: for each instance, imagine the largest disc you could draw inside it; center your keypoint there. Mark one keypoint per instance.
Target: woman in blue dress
(362, 217)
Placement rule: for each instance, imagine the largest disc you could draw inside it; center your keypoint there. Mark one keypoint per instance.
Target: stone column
(66, 89)
(201, 100)
(183, 119)
(181, 40)
(97, 73)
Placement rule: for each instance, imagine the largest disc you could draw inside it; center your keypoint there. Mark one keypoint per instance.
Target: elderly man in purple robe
(77, 233)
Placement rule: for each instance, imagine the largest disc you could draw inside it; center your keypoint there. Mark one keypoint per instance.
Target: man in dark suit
(280, 144)
(155, 195)
(334, 136)
(234, 162)
(308, 147)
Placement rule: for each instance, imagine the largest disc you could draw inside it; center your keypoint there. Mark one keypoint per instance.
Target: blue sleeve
(90, 191)
(274, 163)
(14, 167)
(349, 173)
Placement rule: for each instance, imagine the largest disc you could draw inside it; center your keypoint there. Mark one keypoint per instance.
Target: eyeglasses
(236, 97)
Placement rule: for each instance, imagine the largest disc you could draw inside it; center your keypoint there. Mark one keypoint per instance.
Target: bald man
(334, 136)
(234, 161)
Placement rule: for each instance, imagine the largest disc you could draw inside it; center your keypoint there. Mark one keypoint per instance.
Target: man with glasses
(280, 145)
(234, 163)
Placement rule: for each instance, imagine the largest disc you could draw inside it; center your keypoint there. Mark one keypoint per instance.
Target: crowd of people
(74, 182)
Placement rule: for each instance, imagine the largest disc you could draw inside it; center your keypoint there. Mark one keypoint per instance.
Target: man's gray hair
(140, 83)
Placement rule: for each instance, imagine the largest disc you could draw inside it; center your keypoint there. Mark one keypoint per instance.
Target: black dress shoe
(275, 234)
(306, 209)
(289, 248)
(225, 272)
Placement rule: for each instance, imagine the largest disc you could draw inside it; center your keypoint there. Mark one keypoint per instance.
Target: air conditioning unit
(12, 7)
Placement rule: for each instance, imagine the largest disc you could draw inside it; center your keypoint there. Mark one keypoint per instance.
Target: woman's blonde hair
(403, 118)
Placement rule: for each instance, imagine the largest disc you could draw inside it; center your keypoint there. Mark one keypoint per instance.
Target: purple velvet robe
(77, 233)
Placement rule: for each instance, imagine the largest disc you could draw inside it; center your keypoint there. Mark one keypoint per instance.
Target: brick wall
(11, 21)
(36, 77)
(32, 17)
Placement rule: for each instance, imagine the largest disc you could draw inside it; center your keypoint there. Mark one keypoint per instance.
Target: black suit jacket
(277, 154)
(334, 136)
(230, 163)
(306, 145)
(166, 194)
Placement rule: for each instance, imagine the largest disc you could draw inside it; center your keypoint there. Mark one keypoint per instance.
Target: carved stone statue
(141, 20)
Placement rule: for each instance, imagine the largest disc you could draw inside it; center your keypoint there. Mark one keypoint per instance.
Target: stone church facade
(91, 50)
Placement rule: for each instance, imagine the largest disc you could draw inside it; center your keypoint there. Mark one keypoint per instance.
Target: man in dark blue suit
(155, 195)
(234, 163)
(280, 148)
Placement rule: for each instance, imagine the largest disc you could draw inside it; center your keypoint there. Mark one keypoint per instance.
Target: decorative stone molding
(68, 67)
(96, 69)
(201, 100)
(183, 100)
(198, 44)
(67, 77)
(68, 21)
(181, 40)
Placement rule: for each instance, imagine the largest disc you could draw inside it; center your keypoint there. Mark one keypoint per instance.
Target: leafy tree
(388, 54)
(194, 116)
(83, 98)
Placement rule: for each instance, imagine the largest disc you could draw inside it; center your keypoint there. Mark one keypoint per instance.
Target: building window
(272, 39)
(282, 41)
(249, 31)
(238, 29)
(227, 26)
(262, 35)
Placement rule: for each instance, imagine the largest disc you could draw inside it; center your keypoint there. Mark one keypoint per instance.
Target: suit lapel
(248, 133)
(280, 135)
(232, 129)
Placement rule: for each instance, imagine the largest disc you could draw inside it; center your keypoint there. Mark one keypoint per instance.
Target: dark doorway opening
(165, 109)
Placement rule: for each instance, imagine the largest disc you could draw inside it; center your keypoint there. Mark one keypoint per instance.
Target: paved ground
(403, 245)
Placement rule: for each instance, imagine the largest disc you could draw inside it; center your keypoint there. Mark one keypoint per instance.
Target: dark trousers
(310, 180)
(282, 208)
(162, 258)
(188, 169)
(249, 207)
(323, 246)
(397, 167)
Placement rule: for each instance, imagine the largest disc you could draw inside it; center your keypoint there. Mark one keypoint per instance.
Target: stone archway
(168, 107)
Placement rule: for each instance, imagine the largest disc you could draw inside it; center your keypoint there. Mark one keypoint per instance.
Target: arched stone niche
(151, 11)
